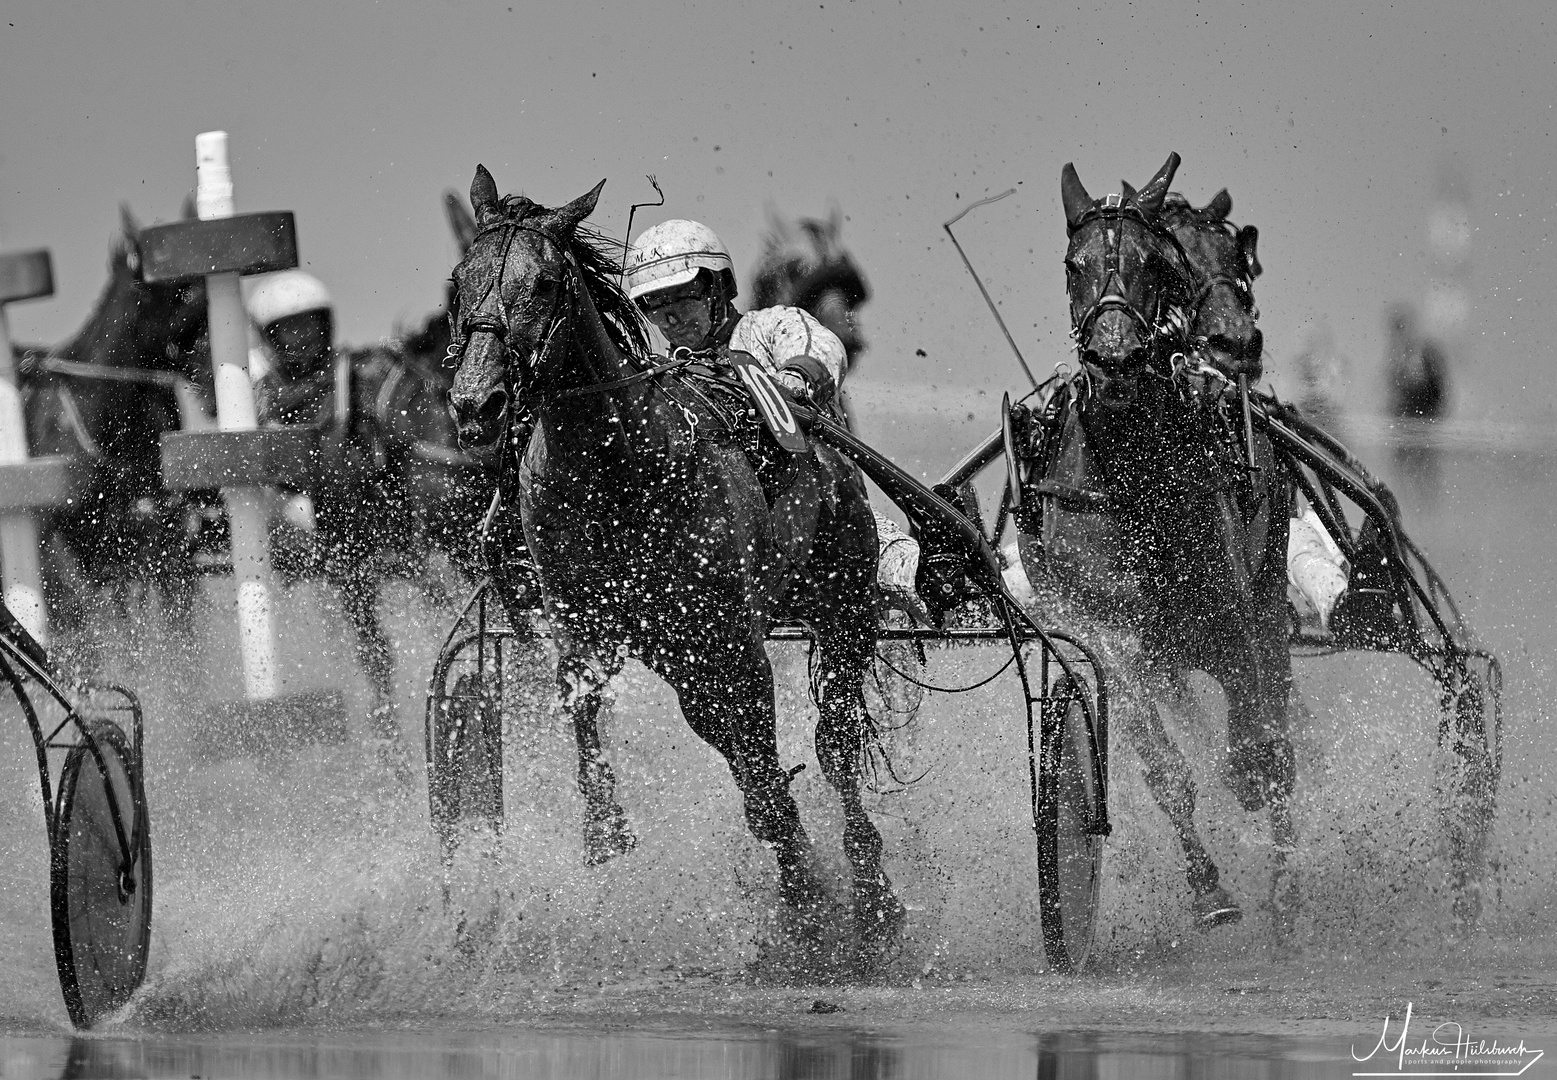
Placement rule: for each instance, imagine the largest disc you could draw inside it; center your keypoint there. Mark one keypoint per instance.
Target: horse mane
(599, 259)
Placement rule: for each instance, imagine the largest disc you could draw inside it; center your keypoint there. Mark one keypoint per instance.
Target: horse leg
(359, 600)
(1173, 788)
(878, 914)
(1261, 769)
(606, 832)
(728, 702)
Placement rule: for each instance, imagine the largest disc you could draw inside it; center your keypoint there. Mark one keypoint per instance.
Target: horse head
(158, 327)
(806, 266)
(528, 275)
(1223, 317)
(1127, 281)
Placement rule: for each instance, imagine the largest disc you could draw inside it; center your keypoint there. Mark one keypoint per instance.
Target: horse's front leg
(583, 691)
(1173, 789)
(1261, 767)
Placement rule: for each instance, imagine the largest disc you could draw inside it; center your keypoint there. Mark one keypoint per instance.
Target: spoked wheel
(100, 875)
(1070, 848)
(465, 772)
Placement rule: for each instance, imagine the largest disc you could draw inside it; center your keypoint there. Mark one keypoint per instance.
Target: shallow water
(678, 1055)
(303, 892)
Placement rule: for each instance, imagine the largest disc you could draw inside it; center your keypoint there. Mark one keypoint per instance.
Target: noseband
(1112, 211)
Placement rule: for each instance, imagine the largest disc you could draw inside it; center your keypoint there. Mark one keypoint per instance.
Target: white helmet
(286, 292)
(671, 253)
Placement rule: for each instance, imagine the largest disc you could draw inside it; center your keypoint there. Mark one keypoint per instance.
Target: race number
(770, 401)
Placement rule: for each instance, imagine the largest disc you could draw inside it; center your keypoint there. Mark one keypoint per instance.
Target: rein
(78, 369)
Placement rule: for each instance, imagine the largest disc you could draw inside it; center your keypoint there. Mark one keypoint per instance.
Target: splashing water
(305, 888)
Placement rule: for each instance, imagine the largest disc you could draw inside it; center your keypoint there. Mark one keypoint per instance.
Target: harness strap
(617, 384)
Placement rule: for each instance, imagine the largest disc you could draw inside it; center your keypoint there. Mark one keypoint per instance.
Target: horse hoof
(392, 756)
(606, 837)
(1467, 908)
(878, 918)
(1215, 907)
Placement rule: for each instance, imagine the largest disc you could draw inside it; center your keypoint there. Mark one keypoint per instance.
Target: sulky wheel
(465, 772)
(100, 875)
(1070, 850)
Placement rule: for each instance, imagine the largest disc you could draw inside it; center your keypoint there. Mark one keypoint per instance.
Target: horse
(107, 394)
(805, 265)
(392, 487)
(1152, 513)
(655, 536)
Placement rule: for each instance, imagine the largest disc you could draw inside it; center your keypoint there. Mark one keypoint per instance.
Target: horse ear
(460, 220)
(483, 194)
(1073, 195)
(1126, 192)
(127, 223)
(834, 220)
(580, 208)
(1248, 236)
(1220, 206)
(1151, 196)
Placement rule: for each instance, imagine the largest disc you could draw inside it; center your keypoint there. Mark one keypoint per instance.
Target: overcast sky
(1330, 124)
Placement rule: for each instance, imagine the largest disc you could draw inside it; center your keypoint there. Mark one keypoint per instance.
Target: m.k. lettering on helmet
(683, 279)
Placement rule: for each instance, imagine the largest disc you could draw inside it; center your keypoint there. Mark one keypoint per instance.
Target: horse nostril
(492, 409)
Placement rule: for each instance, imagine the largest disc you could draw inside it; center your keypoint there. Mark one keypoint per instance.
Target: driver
(292, 366)
(292, 311)
(682, 278)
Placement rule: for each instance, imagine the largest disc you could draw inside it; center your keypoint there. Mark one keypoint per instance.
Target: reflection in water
(772, 1055)
(1417, 460)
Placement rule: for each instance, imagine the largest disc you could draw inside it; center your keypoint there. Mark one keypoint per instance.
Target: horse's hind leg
(878, 914)
(727, 700)
(359, 600)
(1168, 779)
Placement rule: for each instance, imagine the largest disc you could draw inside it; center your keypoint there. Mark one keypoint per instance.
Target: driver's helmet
(284, 293)
(671, 254)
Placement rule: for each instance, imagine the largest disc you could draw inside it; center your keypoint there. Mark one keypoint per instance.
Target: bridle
(485, 322)
(1112, 210)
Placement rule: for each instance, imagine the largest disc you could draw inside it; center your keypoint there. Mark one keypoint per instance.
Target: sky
(1330, 123)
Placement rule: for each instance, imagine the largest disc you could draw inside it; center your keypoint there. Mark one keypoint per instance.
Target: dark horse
(107, 395)
(805, 265)
(1153, 511)
(655, 537)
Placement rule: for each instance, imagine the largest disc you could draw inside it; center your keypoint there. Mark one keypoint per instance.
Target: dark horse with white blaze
(1152, 510)
(655, 537)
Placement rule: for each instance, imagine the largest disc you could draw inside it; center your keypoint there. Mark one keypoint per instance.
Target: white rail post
(21, 277)
(240, 458)
(235, 411)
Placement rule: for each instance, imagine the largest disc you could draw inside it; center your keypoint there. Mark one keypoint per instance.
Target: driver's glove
(807, 379)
